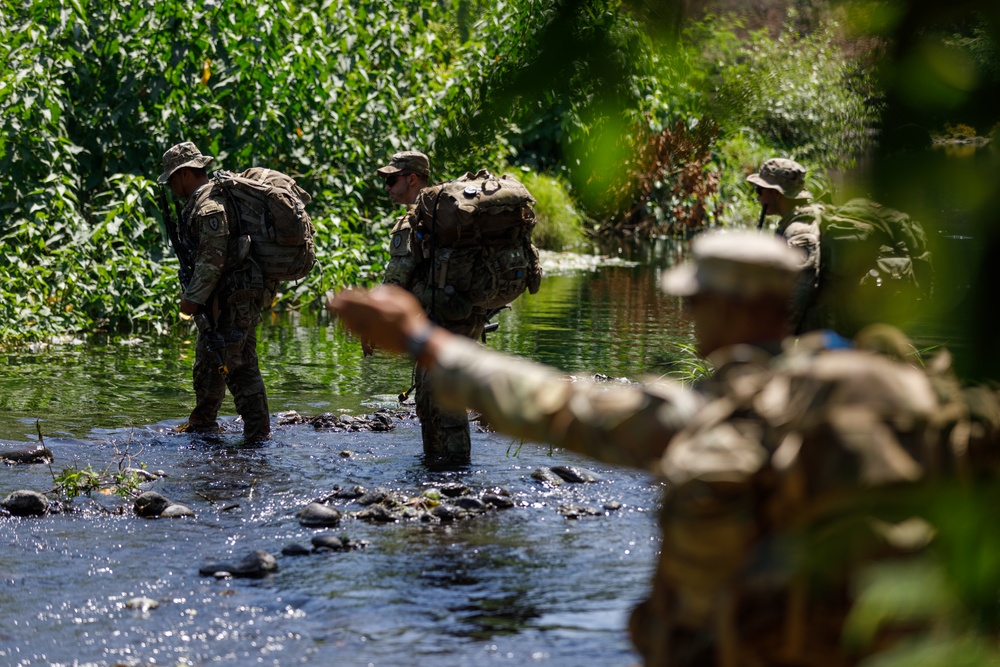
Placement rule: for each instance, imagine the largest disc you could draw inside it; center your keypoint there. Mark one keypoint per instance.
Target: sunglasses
(391, 181)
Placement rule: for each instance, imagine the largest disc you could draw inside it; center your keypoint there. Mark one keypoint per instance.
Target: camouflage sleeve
(622, 425)
(403, 258)
(211, 231)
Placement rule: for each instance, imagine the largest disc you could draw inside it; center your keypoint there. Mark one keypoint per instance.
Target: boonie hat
(786, 176)
(407, 162)
(184, 154)
(740, 264)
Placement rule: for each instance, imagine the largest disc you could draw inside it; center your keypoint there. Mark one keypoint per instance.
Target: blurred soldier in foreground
(862, 262)
(783, 439)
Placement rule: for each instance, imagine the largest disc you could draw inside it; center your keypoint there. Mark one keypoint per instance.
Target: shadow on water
(515, 585)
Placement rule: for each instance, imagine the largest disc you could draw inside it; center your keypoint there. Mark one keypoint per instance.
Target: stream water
(518, 586)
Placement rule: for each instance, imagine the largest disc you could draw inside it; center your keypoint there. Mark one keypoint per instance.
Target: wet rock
(454, 490)
(150, 504)
(327, 420)
(328, 542)
(346, 453)
(145, 475)
(577, 511)
(142, 603)
(173, 511)
(349, 493)
(377, 513)
(316, 514)
(376, 495)
(470, 503)
(33, 454)
(26, 503)
(546, 475)
(498, 501)
(381, 422)
(254, 565)
(290, 417)
(331, 542)
(447, 512)
(575, 475)
(294, 549)
(613, 506)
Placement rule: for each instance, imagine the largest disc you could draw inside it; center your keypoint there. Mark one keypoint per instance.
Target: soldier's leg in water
(209, 388)
(247, 385)
(446, 435)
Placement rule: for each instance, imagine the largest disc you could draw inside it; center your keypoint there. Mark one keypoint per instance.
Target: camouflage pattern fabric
(446, 435)
(802, 231)
(231, 286)
(774, 457)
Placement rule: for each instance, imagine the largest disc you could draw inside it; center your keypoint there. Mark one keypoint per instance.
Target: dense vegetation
(625, 122)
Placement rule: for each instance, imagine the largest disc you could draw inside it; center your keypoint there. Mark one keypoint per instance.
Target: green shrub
(559, 224)
(799, 93)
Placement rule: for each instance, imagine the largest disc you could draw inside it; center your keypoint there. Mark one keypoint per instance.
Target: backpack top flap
(475, 209)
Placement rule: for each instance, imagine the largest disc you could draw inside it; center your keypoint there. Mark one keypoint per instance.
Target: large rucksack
(476, 231)
(270, 209)
(874, 264)
(876, 243)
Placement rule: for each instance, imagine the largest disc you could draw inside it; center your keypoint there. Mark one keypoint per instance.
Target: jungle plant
(559, 226)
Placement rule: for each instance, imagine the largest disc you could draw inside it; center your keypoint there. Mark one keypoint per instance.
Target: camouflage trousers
(235, 349)
(446, 435)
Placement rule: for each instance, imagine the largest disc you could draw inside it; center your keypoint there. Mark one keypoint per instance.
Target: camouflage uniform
(800, 228)
(445, 433)
(231, 288)
(774, 457)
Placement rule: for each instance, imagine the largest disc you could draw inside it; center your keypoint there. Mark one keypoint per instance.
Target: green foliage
(559, 225)
(94, 92)
(797, 92)
(73, 481)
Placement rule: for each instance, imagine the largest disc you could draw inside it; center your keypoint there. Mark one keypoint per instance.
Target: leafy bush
(94, 92)
(559, 225)
(799, 93)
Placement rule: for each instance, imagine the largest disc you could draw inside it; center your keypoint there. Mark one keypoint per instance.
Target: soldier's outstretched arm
(622, 425)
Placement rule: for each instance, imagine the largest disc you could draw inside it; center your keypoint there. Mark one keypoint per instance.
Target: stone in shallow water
(498, 501)
(150, 504)
(173, 511)
(294, 549)
(26, 503)
(254, 565)
(575, 475)
(34, 454)
(316, 514)
(546, 475)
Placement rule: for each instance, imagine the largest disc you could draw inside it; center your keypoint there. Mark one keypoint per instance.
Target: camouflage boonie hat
(407, 162)
(740, 264)
(184, 154)
(786, 176)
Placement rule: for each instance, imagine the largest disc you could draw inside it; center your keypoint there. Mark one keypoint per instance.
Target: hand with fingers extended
(390, 318)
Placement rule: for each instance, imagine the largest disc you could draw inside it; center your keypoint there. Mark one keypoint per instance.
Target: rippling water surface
(523, 585)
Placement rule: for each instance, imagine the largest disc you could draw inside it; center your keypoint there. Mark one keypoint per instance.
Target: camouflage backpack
(270, 209)
(878, 244)
(874, 264)
(476, 233)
